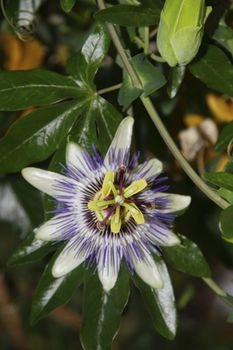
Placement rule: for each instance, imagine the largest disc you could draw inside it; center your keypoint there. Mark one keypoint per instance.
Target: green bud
(181, 29)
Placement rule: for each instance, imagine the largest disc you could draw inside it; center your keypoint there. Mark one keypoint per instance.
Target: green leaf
(226, 223)
(29, 198)
(230, 317)
(23, 89)
(176, 76)
(67, 5)
(84, 64)
(20, 204)
(223, 33)
(55, 166)
(53, 292)
(226, 194)
(102, 311)
(35, 137)
(220, 179)
(128, 93)
(225, 137)
(215, 70)
(151, 77)
(31, 249)
(129, 15)
(97, 124)
(160, 303)
(187, 258)
(228, 299)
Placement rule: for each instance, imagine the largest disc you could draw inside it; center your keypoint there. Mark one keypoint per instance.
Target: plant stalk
(126, 60)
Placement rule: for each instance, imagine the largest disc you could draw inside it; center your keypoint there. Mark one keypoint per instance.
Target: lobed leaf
(85, 63)
(23, 89)
(96, 125)
(35, 137)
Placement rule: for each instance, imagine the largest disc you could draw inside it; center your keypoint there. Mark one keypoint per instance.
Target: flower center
(113, 205)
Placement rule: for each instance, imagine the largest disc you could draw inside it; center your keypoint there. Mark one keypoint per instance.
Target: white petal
(148, 272)
(108, 270)
(74, 157)
(170, 240)
(50, 230)
(44, 180)
(176, 202)
(67, 260)
(150, 170)
(121, 140)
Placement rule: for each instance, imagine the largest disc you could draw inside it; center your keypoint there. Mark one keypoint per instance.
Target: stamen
(99, 204)
(135, 212)
(116, 221)
(108, 180)
(135, 187)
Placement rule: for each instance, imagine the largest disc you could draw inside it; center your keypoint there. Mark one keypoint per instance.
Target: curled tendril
(23, 22)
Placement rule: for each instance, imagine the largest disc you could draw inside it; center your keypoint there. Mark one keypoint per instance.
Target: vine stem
(215, 288)
(109, 89)
(126, 60)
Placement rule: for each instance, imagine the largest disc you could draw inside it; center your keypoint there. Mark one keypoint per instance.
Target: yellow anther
(108, 180)
(135, 187)
(116, 221)
(99, 204)
(99, 215)
(135, 212)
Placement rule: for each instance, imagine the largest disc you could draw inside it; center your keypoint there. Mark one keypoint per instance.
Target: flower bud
(181, 29)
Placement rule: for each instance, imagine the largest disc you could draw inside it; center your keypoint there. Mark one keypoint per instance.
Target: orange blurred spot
(222, 162)
(193, 120)
(21, 55)
(221, 109)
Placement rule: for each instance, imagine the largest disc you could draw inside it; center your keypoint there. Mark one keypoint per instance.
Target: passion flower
(109, 210)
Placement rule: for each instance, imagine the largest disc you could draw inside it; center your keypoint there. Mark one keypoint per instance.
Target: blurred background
(47, 39)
